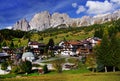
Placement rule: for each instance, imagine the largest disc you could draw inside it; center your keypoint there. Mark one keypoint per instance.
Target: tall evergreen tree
(102, 52)
(114, 51)
(50, 43)
(11, 44)
(45, 69)
(4, 43)
(98, 33)
(19, 43)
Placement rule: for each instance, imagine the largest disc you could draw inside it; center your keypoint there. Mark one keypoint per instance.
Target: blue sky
(14, 10)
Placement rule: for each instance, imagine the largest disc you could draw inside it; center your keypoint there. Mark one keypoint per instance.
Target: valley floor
(110, 76)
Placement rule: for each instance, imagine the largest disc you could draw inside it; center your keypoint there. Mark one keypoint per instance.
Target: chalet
(33, 44)
(8, 51)
(78, 47)
(84, 48)
(36, 47)
(69, 47)
(87, 45)
(94, 41)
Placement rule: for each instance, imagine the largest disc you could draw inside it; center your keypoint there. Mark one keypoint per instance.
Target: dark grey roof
(4, 54)
(28, 54)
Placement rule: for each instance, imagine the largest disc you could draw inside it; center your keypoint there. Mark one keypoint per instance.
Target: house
(33, 44)
(9, 52)
(69, 47)
(94, 41)
(86, 46)
(36, 47)
(78, 48)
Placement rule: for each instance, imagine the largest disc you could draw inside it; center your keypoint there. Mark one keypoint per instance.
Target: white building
(28, 56)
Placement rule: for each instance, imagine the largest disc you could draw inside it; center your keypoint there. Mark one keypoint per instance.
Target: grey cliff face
(58, 19)
(44, 20)
(40, 21)
(22, 25)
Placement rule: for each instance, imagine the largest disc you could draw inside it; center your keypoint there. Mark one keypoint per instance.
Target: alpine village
(55, 47)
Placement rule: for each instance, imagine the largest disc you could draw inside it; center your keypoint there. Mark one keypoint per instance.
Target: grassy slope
(71, 33)
(70, 77)
(57, 38)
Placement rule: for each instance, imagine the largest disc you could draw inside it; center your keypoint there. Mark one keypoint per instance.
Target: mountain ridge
(45, 20)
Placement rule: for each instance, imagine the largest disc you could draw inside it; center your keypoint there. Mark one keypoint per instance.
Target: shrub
(45, 69)
(67, 35)
(77, 62)
(4, 65)
(91, 62)
(51, 53)
(26, 66)
(15, 69)
(57, 64)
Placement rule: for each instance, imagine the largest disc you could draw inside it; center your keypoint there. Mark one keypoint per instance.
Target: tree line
(108, 52)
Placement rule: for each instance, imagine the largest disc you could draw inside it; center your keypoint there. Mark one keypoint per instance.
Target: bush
(77, 62)
(4, 65)
(15, 69)
(45, 69)
(51, 53)
(91, 62)
(57, 64)
(26, 66)
(67, 35)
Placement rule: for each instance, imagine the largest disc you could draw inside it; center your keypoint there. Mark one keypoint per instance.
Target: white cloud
(74, 5)
(115, 1)
(80, 9)
(8, 27)
(94, 7)
(97, 7)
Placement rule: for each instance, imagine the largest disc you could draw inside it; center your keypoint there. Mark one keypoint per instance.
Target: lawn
(110, 76)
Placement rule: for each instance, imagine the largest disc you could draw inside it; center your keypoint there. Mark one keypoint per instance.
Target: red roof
(74, 42)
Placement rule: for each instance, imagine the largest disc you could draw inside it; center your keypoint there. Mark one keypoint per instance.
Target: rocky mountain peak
(22, 24)
(44, 20)
(40, 21)
(58, 19)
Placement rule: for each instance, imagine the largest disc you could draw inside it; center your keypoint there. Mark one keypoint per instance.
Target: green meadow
(110, 76)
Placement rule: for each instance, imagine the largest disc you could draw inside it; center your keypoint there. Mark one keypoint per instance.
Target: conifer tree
(11, 44)
(102, 52)
(114, 55)
(50, 44)
(4, 43)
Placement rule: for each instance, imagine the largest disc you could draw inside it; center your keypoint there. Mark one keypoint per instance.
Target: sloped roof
(4, 54)
(36, 43)
(75, 42)
(28, 54)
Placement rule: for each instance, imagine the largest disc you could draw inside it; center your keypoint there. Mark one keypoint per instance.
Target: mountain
(45, 20)
(22, 25)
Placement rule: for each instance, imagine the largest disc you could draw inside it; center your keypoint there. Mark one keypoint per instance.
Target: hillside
(58, 34)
